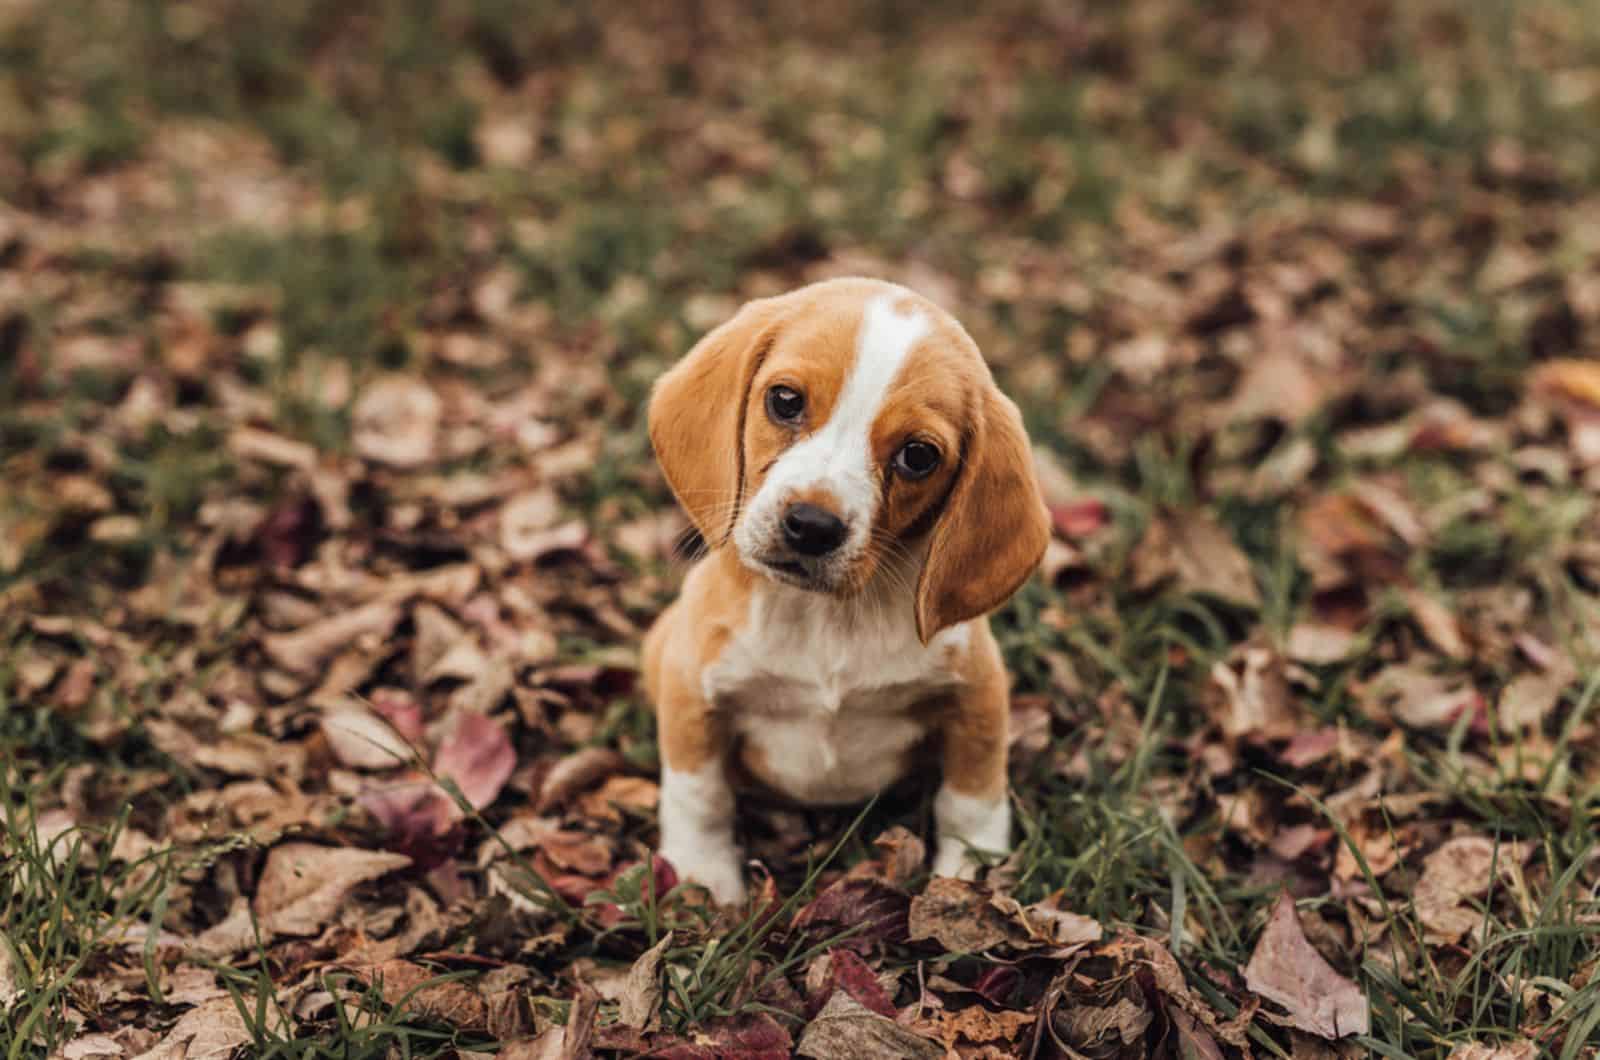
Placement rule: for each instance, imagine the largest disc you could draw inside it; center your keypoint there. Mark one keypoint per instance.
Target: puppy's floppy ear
(697, 413)
(994, 527)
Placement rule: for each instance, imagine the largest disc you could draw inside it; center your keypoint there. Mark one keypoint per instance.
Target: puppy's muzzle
(812, 531)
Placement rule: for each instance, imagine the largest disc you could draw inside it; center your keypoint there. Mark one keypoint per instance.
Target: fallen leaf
(90, 1047)
(251, 443)
(1192, 549)
(213, 1031)
(1521, 1049)
(11, 981)
(581, 769)
(304, 650)
(1438, 624)
(413, 808)
(1059, 926)
(479, 757)
(1286, 969)
(754, 1036)
(548, 1046)
(524, 520)
(975, 1024)
(360, 739)
(870, 908)
(1573, 379)
(1529, 698)
(640, 1004)
(417, 993)
(1250, 691)
(1422, 699)
(1453, 875)
(1320, 644)
(304, 885)
(847, 1028)
(395, 421)
(958, 916)
(850, 973)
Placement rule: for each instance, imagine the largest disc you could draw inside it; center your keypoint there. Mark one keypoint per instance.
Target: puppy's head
(825, 430)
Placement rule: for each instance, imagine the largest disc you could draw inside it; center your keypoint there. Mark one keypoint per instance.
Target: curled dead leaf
(847, 1028)
(639, 1006)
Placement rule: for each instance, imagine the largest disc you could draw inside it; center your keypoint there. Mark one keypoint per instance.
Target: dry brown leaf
(576, 772)
(639, 1006)
(975, 1024)
(524, 521)
(1194, 550)
(847, 1028)
(90, 1047)
(958, 916)
(1452, 876)
(1422, 699)
(360, 739)
(395, 421)
(214, 1031)
(1530, 698)
(1521, 1049)
(451, 1001)
(1252, 696)
(551, 1045)
(1570, 379)
(251, 443)
(304, 650)
(1286, 969)
(11, 981)
(304, 885)
(1438, 624)
(1320, 644)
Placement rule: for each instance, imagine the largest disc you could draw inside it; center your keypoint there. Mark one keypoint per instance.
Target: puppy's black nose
(812, 531)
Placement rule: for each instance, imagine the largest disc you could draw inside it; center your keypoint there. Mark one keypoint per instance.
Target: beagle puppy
(867, 496)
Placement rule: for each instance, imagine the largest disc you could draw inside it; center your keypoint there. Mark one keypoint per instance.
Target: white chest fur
(828, 697)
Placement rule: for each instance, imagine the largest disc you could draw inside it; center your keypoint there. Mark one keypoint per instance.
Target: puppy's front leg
(696, 799)
(971, 811)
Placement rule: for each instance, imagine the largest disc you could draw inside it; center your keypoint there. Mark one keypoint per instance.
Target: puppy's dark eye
(916, 460)
(785, 404)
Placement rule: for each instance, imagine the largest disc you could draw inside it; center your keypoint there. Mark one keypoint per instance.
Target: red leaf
(874, 909)
(851, 974)
(753, 1037)
(399, 710)
(478, 757)
(1079, 519)
(996, 983)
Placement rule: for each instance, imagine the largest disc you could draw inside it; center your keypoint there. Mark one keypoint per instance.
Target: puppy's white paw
(952, 859)
(967, 823)
(717, 871)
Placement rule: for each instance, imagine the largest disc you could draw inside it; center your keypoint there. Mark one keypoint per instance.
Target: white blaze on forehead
(885, 341)
(838, 455)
